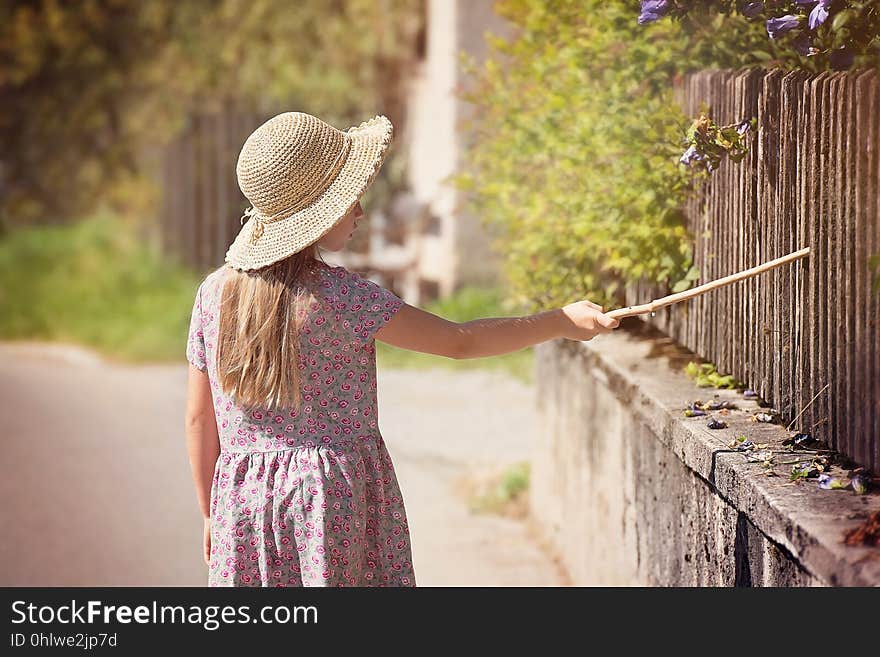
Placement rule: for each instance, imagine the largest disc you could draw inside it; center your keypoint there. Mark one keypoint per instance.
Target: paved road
(97, 488)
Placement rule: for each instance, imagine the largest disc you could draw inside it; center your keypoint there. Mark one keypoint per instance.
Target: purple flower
(652, 10)
(690, 155)
(827, 482)
(860, 484)
(819, 13)
(776, 27)
(752, 9)
(764, 455)
(841, 59)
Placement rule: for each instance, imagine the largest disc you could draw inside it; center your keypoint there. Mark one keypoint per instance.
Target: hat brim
(284, 237)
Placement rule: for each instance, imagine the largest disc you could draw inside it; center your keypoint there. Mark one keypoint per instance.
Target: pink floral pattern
(308, 497)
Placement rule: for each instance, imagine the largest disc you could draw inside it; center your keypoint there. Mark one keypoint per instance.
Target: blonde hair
(258, 336)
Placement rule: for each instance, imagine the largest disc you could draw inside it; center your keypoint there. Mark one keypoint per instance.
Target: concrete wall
(629, 492)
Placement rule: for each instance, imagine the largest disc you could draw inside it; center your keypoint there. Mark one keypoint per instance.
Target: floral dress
(308, 497)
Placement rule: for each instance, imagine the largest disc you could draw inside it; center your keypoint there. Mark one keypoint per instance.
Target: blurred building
(453, 247)
(425, 244)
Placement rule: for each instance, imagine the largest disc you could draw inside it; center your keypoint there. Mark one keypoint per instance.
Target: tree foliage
(87, 85)
(576, 154)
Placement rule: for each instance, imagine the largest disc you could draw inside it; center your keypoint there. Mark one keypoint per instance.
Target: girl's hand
(585, 321)
(207, 542)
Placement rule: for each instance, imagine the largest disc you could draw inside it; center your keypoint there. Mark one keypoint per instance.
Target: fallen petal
(802, 439)
(827, 482)
(860, 484)
(868, 533)
(803, 470)
(799, 440)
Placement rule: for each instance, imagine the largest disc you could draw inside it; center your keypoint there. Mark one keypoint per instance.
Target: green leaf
(840, 19)
(693, 274)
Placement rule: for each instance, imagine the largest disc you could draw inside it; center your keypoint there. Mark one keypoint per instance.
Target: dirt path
(98, 489)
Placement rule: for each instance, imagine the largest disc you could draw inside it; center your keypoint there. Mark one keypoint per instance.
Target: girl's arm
(418, 330)
(202, 439)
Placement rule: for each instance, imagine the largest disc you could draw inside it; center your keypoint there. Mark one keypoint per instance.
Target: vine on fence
(834, 33)
(708, 142)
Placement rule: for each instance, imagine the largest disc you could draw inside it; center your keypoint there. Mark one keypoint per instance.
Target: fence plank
(201, 202)
(872, 185)
(812, 178)
(847, 376)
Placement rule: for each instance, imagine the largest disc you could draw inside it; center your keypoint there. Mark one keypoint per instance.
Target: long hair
(257, 355)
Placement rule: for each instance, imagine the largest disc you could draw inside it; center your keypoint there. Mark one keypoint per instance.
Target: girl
(292, 475)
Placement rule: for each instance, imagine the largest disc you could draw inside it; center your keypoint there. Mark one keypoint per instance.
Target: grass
(467, 304)
(503, 493)
(95, 283)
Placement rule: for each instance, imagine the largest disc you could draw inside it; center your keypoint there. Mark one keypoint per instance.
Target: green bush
(575, 152)
(94, 283)
(470, 302)
(577, 140)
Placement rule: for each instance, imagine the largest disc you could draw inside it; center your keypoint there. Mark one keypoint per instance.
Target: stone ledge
(643, 369)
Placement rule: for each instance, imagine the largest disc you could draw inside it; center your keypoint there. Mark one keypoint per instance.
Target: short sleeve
(371, 306)
(195, 344)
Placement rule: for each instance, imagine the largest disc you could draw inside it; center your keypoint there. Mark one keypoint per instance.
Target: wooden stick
(643, 309)
(804, 410)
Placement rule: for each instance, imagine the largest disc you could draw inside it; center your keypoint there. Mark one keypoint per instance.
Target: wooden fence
(202, 203)
(812, 178)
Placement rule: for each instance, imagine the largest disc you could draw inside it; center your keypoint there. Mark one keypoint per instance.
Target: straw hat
(302, 176)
